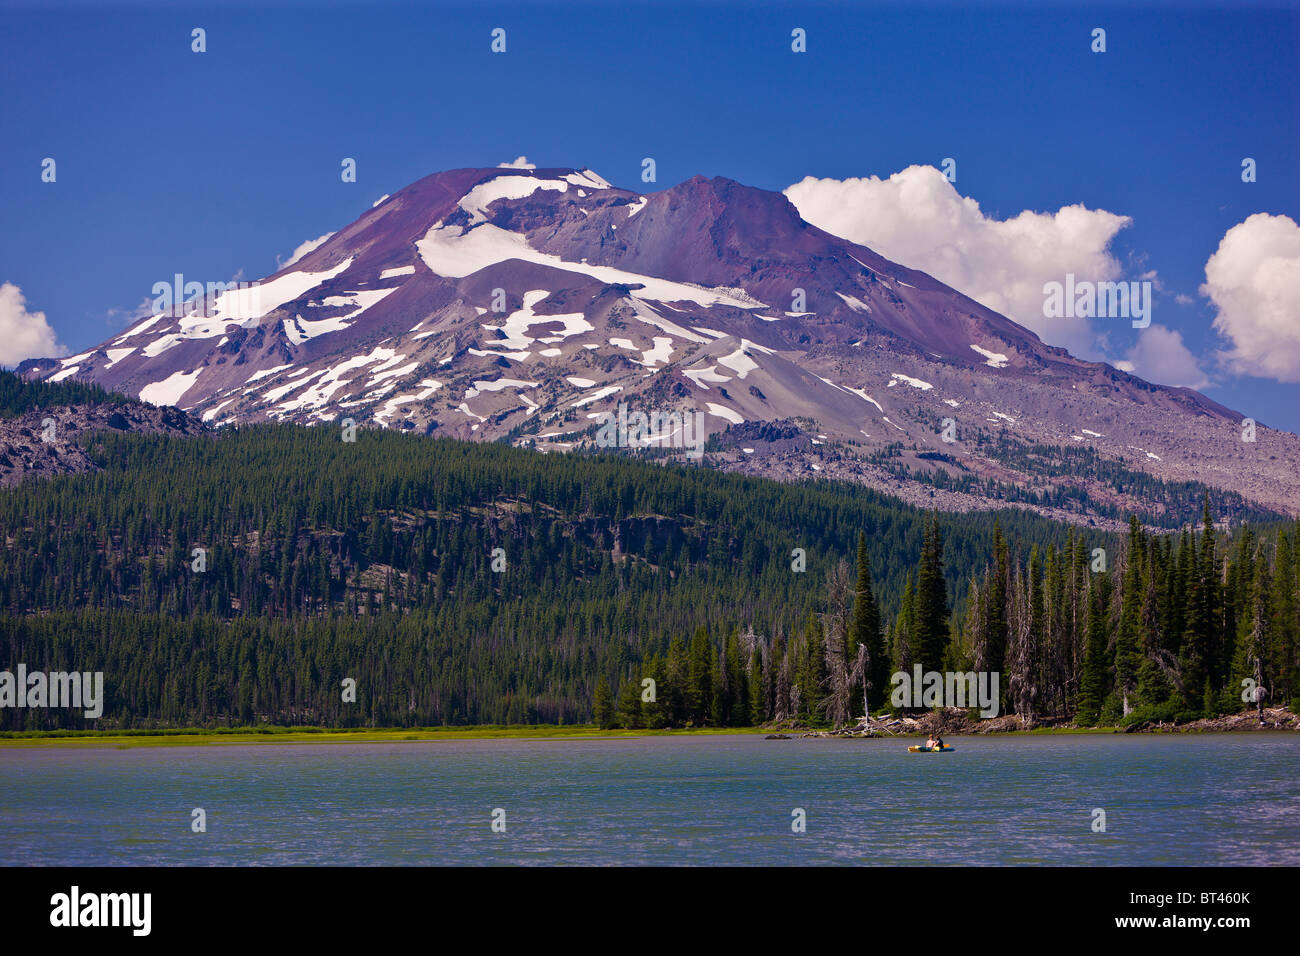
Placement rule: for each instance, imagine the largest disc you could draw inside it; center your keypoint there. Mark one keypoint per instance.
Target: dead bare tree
(839, 686)
(1021, 652)
(835, 629)
(787, 692)
(858, 673)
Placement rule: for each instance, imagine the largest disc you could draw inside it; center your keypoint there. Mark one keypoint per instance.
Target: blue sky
(214, 164)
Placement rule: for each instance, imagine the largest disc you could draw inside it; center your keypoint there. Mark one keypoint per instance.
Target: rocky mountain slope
(48, 442)
(530, 304)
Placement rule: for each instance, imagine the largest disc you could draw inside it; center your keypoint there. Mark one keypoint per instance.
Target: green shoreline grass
(185, 737)
(190, 737)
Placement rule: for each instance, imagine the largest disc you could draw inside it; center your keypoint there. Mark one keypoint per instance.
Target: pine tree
(1211, 568)
(757, 692)
(603, 707)
(1128, 643)
(812, 671)
(1202, 635)
(995, 644)
(1251, 663)
(629, 711)
(656, 712)
(1284, 627)
(778, 666)
(720, 706)
(677, 686)
(1092, 683)
(903, 639)
(931, 601)
(738, 683)
(865, 633)
(700, 678)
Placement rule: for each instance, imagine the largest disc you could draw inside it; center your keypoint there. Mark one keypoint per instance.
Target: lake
(1221, 799)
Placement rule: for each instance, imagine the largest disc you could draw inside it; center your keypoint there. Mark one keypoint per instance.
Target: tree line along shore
(241, 579)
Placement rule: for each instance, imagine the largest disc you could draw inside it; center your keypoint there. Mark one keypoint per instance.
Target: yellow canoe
(929, 750)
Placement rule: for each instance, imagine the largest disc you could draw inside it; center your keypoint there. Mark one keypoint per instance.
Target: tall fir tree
(701, 667)
(603, 705)
(1093, 679)
(1128, 640)
(931, 601)
(865, 633)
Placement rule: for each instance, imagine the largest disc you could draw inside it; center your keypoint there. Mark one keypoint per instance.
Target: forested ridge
(323, 559)
(463, 583)
(18, 396)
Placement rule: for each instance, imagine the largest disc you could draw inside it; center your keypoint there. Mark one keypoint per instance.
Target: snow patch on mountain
(253, 302)
(479, 387)
(739, 362)
(266, 373)
(587, 178)
(995, 359)
(517, 323)
(116, 355)
(898, 378)
(710, 374)
(854, 303)
(476, 201)
(170, 389)
(330, 380)
(866, 398)
(650, 316)
(454, 253)
(393, 373)
(722, 411)
(428, 387)
(142, 327)
(597, 395)
(662, 352)
(212, 413)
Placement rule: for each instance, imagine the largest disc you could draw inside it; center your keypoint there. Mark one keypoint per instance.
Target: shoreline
(188, 737)
(955, 724)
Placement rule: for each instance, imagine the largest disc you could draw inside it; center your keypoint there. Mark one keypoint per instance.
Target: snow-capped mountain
(528, 303)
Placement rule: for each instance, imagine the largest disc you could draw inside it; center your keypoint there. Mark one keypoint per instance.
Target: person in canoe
(938, 742)
(929, 743)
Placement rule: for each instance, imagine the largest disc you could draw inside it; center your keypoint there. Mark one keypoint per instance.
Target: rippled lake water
(1225, 799)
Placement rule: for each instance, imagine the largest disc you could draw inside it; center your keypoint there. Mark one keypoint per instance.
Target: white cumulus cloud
(1160, 356)
(520, 162)
(1253, 279)
(24, 334)
(303, 249)
(917, 218)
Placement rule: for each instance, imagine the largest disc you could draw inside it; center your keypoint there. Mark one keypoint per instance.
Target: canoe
(930, 750)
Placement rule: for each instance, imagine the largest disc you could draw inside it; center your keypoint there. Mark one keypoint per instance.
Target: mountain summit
(528, 304)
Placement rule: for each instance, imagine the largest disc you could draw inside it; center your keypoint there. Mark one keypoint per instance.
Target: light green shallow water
(1229, 799)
